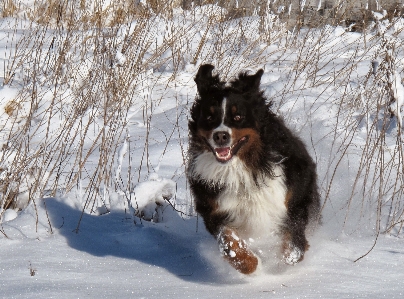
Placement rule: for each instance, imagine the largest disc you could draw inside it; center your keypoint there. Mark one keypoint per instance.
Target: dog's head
(227, 119)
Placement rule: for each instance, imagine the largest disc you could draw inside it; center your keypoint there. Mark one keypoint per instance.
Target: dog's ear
(247, 83)
(256, 79)
(205, 80)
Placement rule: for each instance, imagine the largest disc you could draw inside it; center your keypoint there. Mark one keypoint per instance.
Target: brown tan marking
(233, 110)
(288, 196)
(200, 140)
(251, 150)
(204, 135)
(236, 252)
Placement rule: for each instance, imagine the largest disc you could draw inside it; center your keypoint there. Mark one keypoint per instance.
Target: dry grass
(70, 72)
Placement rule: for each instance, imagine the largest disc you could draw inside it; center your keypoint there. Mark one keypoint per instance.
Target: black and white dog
(250, 176)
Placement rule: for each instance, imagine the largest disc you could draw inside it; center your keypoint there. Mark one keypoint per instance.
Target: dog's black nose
(221, 138)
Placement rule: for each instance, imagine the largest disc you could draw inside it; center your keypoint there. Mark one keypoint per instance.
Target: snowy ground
(64, 247)
(112, 257)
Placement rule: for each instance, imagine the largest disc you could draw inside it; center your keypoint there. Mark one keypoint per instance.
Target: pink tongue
(223, 152)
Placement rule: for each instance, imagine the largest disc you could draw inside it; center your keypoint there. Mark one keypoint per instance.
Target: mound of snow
(151, 197)
(8, 215)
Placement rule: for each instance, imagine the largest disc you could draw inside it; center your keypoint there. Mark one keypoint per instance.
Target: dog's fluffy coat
(249, 175)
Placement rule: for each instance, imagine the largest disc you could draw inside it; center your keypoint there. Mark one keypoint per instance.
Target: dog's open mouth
(224, 154)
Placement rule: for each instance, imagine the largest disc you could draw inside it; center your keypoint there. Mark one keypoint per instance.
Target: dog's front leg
(236, 252)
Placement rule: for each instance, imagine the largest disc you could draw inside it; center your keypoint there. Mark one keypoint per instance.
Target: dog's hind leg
(294, 235)
(292, 251)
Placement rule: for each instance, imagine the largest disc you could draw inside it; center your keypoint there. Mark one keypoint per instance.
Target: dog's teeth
(223, 152)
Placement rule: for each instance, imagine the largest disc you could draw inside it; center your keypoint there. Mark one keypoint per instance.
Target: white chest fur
(255, 211)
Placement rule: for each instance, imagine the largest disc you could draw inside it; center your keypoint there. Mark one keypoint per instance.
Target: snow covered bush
(151, 197)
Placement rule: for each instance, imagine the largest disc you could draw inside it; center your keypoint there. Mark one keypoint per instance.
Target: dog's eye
(238, 117)
(209, 118)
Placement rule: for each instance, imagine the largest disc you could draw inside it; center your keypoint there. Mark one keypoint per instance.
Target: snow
(339, 31)
(151, 195)
(121, 153)
(110, 256)
(139, 237)
(398, 96)
(319, 5)
(293, 257)
(9, 215)
(120, 58)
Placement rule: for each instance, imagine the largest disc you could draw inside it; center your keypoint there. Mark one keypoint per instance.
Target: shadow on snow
(174, 245)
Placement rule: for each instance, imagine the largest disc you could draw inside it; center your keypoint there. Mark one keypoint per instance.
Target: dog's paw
(292, 255)
(236, 252)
